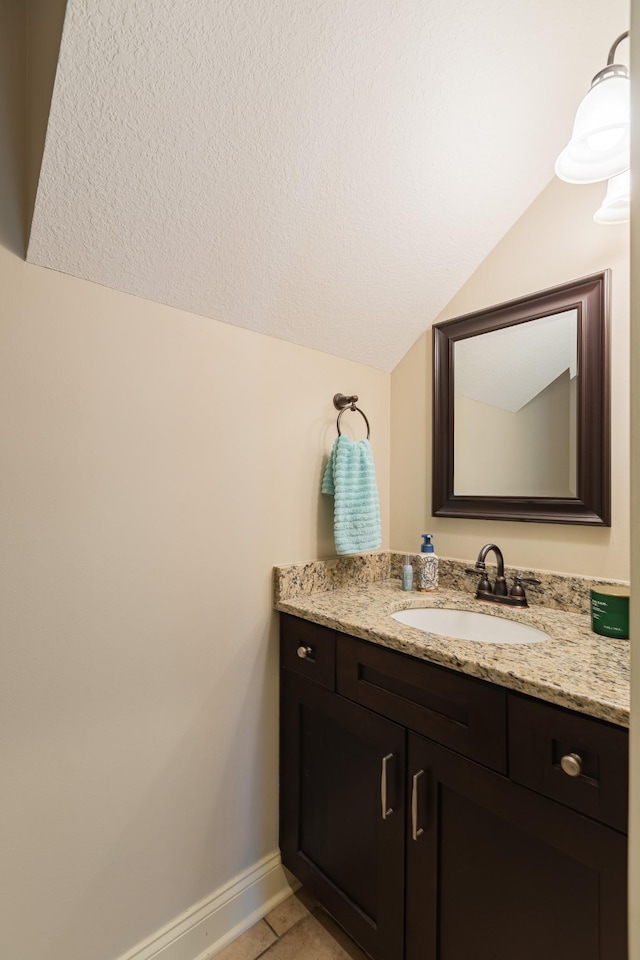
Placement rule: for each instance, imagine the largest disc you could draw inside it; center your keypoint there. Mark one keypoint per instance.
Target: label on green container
(610, 612)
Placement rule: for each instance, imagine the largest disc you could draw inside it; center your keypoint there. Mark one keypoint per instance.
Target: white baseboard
(211, 924)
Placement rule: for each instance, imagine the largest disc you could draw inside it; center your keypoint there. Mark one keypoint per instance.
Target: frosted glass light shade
(600, 144)
(616, 206)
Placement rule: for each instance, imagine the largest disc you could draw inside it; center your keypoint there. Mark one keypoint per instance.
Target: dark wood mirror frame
(591, 298)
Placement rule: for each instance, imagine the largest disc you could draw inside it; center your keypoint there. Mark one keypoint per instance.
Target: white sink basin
(465, 625)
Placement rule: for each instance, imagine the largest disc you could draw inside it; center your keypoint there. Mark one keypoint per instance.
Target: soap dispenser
(427, 565)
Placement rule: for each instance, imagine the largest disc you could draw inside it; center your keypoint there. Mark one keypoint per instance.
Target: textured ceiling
(328, 172)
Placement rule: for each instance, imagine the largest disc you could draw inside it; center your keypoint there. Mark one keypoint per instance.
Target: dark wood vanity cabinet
(335, 836)
(429, 814)
(500, 872)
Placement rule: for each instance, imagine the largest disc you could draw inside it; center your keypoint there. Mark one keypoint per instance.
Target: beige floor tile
(249, 944)
(290, 911)
(314, 938)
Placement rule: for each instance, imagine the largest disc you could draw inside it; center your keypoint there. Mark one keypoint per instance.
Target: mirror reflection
(515, 410)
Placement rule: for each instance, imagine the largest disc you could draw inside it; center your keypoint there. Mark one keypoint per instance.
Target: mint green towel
(350, 478)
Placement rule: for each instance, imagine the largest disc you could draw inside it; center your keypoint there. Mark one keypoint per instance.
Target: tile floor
(298, 929)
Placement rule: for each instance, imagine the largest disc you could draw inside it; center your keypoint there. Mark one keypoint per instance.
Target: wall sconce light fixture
(600, 143)
(616, 205)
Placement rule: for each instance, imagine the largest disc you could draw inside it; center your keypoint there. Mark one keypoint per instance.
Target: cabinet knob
(571, 764)
(304, 652)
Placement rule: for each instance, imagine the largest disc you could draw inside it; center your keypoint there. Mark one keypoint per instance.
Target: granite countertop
(575, 668)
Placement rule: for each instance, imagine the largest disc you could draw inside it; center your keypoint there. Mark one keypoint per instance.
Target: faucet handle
(517, 590)
(484, 585)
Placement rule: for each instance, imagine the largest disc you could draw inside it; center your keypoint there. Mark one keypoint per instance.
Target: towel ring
(343, 403)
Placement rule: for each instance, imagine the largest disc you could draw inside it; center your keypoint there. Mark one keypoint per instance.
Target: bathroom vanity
(439, 815)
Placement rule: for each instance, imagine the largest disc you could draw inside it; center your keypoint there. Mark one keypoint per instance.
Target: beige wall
(553, 242)
(634, 800)
(44, 23)
(155, 466)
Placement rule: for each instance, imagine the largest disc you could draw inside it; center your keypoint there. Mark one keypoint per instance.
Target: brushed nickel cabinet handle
(571, 764)
(416, 831)
(386, 811)
(305, 653)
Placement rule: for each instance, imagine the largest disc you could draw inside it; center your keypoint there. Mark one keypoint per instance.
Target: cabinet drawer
(540, 735)
(308, 649)
(467, 715)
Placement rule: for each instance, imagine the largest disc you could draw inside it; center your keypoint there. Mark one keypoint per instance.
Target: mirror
(521, 409)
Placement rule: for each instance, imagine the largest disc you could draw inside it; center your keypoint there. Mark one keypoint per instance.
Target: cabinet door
(342, 820)
(495, 871)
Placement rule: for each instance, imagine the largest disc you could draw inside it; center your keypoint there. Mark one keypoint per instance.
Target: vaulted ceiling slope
(327, 172)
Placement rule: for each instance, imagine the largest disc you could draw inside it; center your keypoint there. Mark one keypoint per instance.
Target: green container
(610, 612)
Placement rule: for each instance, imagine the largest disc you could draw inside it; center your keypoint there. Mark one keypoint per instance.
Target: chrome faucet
(498, 593)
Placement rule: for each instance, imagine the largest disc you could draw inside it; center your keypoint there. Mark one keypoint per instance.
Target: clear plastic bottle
(407, 575)
(427, 565)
